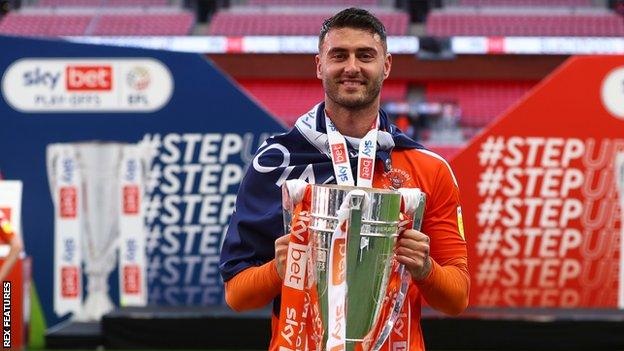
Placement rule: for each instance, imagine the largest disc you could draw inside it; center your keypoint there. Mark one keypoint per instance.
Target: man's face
(352, 64)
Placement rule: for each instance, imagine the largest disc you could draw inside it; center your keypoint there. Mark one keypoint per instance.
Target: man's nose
(352, 65)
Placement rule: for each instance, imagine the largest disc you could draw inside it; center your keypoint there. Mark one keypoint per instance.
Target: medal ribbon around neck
(340, 156)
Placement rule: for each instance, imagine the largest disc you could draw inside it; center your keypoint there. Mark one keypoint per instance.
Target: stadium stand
(290, 99)
(68, 3)
(527, 3)
(15, 23)
(479, 101)
(52, 18)
(100, 3)
(144, 24)
(249, 21)
(136, 2)
(331, 3)
(453, 21)
(90, 21)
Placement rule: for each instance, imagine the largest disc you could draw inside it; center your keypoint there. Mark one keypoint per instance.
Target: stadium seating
(290, 99)
(312, 2)
(100, 3)
(128, 23)
(297, 23)
(446, 151)
(527, 3)
(44, 25)
(480, 102)
(136, 2)
(144, 24)
(52, 18)
(517, 23)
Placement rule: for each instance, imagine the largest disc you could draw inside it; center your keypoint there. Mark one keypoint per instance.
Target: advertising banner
(197, 128)
(539, 192)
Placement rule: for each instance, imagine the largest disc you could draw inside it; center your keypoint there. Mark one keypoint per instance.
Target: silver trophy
(97, 220)
(97, 200)
(99, 163)
(373, 224)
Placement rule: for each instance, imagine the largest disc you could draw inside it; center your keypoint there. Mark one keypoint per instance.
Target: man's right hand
(281, 251)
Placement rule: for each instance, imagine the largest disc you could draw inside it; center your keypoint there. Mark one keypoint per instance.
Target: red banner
(541, 211)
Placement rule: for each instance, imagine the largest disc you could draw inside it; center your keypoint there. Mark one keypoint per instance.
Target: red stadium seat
(312, 2)
(290, 99)
(121, 3)
(527, 3)
(144, 24)
(44, 25)
(480, 102)
(100, 3)
(446, 151)
(238, 23)
(455, 23)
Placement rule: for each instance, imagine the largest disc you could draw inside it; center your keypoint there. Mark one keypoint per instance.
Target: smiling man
(352, 63)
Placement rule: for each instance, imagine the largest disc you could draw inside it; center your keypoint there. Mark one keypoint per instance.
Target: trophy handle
(414, 206)
(292, 195)
(53, 152)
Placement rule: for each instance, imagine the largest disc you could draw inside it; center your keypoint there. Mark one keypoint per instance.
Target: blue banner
(201, 129)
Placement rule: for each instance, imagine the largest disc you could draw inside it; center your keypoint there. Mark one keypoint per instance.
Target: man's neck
(353, 123)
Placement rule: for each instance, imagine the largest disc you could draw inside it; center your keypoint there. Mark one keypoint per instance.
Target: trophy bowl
(372, 232)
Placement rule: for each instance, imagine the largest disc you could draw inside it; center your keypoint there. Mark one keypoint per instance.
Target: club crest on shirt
(397, 178)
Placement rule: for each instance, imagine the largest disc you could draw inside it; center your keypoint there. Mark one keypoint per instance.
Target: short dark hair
(354, 18)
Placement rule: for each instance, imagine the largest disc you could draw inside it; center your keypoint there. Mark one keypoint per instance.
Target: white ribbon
(65, 180)
(340, 155)
(337, 276)
(132, 260)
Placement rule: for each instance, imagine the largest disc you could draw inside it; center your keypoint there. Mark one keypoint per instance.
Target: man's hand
(281, 250)
(412, 249)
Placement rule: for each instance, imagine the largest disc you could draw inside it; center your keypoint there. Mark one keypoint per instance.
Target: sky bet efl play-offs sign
(541, 208)
(72, 85)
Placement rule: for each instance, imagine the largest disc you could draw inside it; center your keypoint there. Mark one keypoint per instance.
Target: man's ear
(317, 59)
(387, 65)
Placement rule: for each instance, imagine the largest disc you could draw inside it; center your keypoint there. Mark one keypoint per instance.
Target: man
(352, 64)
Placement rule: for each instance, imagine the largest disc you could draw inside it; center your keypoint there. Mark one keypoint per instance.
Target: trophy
(94, 190)
(98, 163)
(351, 235)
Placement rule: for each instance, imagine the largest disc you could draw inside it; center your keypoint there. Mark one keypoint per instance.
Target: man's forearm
(253, 288)
(446, 288)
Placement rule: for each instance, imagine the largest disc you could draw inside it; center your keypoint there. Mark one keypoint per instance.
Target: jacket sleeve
(253, 288)
(447, 286)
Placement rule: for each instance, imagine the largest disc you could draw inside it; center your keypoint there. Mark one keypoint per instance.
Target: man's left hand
(412, 249)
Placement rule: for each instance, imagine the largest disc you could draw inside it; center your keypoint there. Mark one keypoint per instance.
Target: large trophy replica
(96, 189)
(343, 290)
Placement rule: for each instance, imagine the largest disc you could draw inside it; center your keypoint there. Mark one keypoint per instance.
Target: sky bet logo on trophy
(340, 255)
